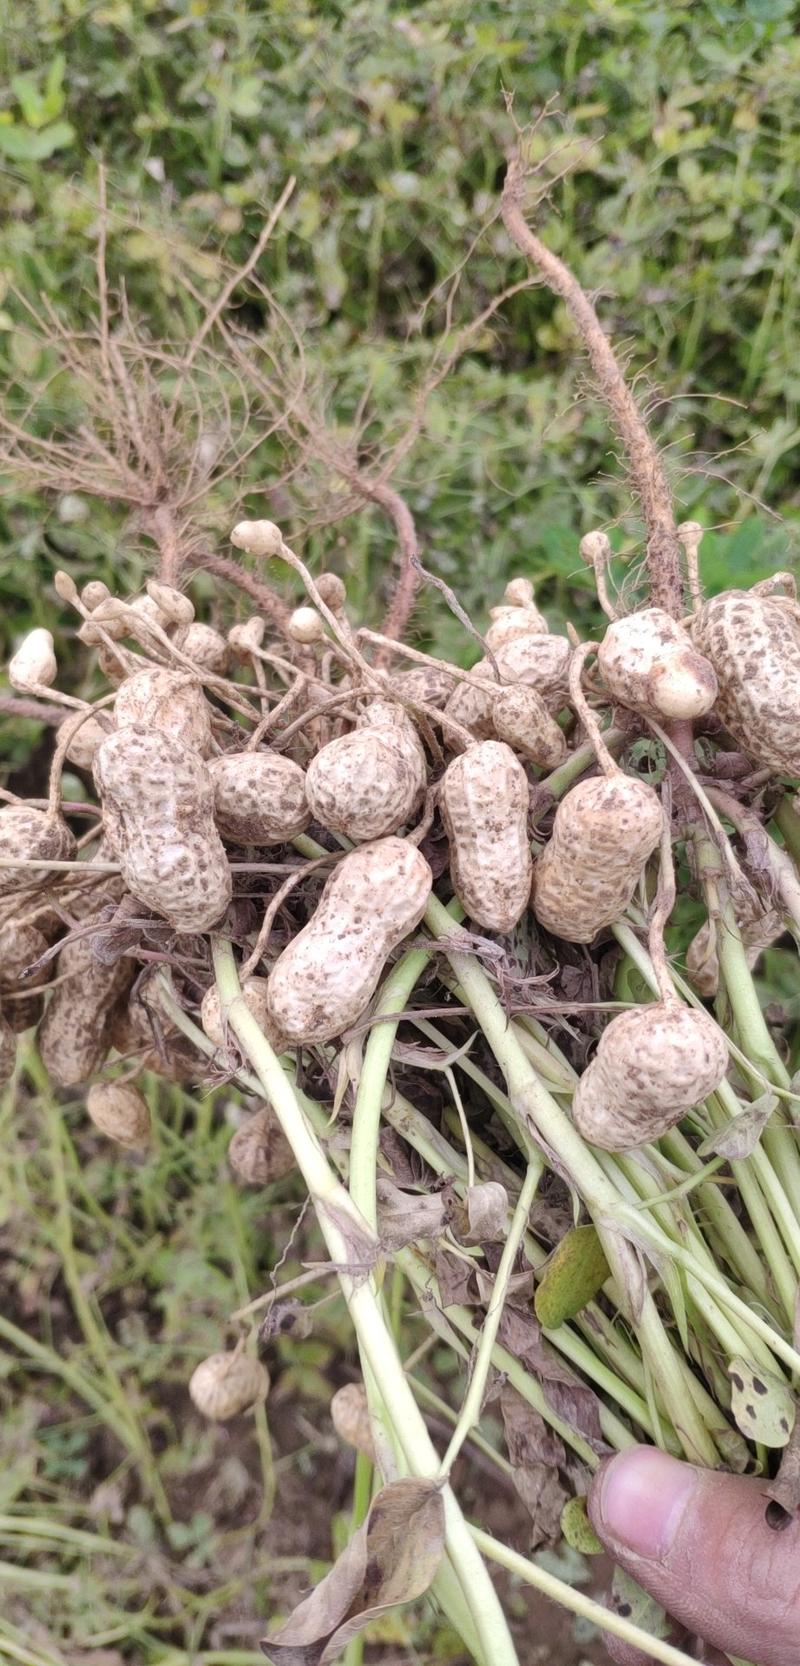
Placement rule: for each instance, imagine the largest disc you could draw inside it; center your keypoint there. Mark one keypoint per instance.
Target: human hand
(700, 1543)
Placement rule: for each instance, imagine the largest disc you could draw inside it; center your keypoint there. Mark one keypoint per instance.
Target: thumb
(700, 1543)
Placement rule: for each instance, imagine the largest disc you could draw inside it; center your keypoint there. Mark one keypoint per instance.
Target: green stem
(350, 1239)
(534, 1104)
(605, 1619)
(362, 1493)
(787, 819)
(481, 1364)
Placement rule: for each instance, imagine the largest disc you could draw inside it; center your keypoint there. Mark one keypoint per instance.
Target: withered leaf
(535, 1453)
(487, 1212)
(391, 1559)
(405, 1217)
(456, 1280)
(741, 1135)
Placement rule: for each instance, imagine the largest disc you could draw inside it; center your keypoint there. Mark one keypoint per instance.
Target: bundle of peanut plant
(333, 869)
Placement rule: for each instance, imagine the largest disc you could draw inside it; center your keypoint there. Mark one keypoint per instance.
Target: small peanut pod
(21, 944)
(753, 643)
(431, 685)
(325, 978)
(259, 1152)
(120, 1112)
(34, 663)
(351, 1420)
(649, 665)
(517, 616)
(653, 1064)
(171, 701)
(8, 1049)
(604, 831)
(225, 1384)
(28, 835)
(370, 782)
(259, 797)
(86, 739)
(75, 1034)
(484, 799)
(540, 662)
(522, 720)
(204, 646)
(158, 804)
(254, 991)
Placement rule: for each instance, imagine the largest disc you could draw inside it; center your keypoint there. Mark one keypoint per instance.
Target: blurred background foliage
(679, 142)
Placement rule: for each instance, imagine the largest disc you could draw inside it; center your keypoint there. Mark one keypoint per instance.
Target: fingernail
(639, 1498)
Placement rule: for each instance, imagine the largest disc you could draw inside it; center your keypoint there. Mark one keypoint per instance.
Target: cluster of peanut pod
(299, 793)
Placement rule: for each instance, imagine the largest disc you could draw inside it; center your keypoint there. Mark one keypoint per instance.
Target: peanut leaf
(577, 1269)
(391, 1559)
(763, 1407)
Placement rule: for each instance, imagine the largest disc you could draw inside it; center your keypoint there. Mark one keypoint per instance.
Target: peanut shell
(604, 831)
(369, 783)
(653, 1064)
(753, 643)
(225, 1384)
(205, 646)
(120, 1112)
(522, 719)
(259, 1152)
(350, 1418)
(259, 797)
(171, 701)
(33, 835)
(325, 978)
(649, 665)
(158, 800)
(484, 800)
(75, 1033)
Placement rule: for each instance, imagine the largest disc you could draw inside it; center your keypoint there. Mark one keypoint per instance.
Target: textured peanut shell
(508, 623)
(170, 701)
(649, 665)
(83, 746)
(20, 946)
(146, 1033)
(484, 801)
(604, 831)
(369, 783)
(259, 797)
(522, 719)
(158, 800)
(350, 1418)
(34, 661)
(539, 661)
(75, 1033)
(120, 1112)
(254, 991)
(32, 835)
(225, 1384)
(653, 1064)
(8, 1049)
(204, 646)
(429, 684)
(325, 978)
(259, 1152)
(753, 643)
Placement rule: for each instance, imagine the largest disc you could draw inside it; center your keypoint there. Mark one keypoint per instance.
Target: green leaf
(578, 1530)
(577, 1269)
(23, 144)
(763, 1406)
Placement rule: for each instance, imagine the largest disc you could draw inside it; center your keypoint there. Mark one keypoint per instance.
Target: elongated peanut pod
(484, 799)
(327, 975)
(75, 1033)
(653, 1064)
(753, 643)
(158, 803)
(649, 665)
(170, 701)
(604, 831)
(521, 718)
